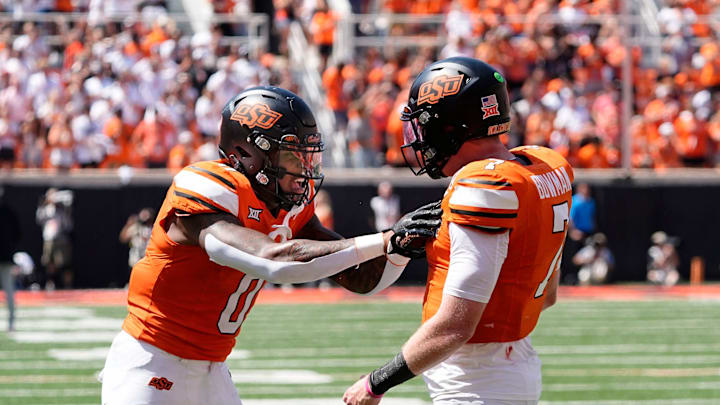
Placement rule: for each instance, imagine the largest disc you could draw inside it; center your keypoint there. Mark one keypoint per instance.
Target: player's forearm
(364, 278)
(434, 342)
(431, 344)
(303, 250)
(372, 276)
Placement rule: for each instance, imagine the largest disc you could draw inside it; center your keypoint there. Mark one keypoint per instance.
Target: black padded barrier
(629, 210)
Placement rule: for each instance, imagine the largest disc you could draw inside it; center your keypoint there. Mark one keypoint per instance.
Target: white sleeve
(476, 258)
(394, 267)
(365, 248)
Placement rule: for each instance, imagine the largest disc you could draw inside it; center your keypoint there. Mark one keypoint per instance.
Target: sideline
(115, 297)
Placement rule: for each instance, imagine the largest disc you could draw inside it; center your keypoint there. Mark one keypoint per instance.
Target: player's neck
(477, 149)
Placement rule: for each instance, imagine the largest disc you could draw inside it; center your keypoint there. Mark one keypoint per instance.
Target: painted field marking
(289, 377)
(635, 402)
(634, 372)
(100, 353)
(639, 386)
(298, 401)
(64, 337)
(57, 324)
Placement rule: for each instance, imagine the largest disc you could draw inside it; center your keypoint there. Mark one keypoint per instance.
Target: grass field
(593, 352)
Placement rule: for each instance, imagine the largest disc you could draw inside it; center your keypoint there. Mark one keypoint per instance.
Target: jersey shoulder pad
(482, 194)
(549, 156)
(206, 187)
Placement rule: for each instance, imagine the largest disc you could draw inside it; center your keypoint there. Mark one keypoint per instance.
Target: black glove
(414, 229)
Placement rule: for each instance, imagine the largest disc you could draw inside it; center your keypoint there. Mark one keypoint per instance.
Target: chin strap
(262, 179)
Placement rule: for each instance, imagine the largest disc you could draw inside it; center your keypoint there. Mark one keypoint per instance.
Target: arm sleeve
(476, 258)
(394, 267)
(366, 247)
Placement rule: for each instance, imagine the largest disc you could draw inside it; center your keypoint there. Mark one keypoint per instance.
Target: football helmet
(450, 102)
(267, 133)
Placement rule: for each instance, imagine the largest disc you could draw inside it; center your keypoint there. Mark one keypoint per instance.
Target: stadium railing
(256, 25)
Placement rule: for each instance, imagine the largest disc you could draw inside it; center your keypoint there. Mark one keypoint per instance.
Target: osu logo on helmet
(439, 87)
(255, 115)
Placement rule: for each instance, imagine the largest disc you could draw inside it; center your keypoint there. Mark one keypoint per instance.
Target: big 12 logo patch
(439, 87)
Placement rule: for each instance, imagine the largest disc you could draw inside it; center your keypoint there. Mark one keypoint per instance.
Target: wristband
(368, 390)
(395, 372)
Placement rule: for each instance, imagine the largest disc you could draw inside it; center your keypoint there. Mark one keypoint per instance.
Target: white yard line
(633, 372)
(635, 402)
(639, 386)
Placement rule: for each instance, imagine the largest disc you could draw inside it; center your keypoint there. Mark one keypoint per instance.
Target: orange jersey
(533, 202)
(179, 300)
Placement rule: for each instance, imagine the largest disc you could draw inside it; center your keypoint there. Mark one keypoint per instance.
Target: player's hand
(414, 229)
(358, 395)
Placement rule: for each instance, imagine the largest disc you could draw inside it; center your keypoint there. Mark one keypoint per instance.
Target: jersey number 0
(230, 319)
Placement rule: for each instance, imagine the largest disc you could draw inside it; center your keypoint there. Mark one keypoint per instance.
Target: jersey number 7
(561, 215)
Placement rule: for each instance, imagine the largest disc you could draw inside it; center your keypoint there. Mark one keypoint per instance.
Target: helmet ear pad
(441, 142)
(446, 139)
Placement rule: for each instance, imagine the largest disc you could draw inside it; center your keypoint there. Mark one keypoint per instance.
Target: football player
(494, 264)
(225, 229)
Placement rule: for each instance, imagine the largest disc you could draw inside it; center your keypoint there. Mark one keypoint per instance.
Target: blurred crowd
(140, 92)
(563, 64)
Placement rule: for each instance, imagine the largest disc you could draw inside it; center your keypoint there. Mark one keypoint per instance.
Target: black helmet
(451, 101)
(267, 132)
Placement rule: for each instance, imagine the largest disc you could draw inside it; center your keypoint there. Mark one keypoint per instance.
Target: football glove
(414, 229)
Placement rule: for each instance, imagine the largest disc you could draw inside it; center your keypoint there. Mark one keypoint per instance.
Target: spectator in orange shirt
(396, 6)
(692, 139)
(333, 82)
(119, 133)
(394, 130)
(154, 137)
(592, 154)
(153, 38)
(322, 28)
(710, 72)
(181, 154)
(664, 149)
(74, 47)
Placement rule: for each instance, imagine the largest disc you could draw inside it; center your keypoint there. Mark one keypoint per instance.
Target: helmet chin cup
(262, 178)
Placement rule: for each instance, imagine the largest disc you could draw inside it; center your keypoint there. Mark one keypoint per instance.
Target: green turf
(596, 352)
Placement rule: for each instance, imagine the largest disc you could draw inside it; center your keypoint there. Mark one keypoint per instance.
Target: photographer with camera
(54, 215)
(663, 260)
(136, 234)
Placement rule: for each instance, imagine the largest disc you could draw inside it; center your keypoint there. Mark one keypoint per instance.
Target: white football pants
(138, 373)
(487, 374)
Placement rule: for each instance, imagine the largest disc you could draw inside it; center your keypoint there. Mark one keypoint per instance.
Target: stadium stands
(88, 86)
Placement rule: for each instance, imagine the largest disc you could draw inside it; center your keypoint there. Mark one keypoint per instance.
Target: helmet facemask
(299, 159)
(425, 151)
